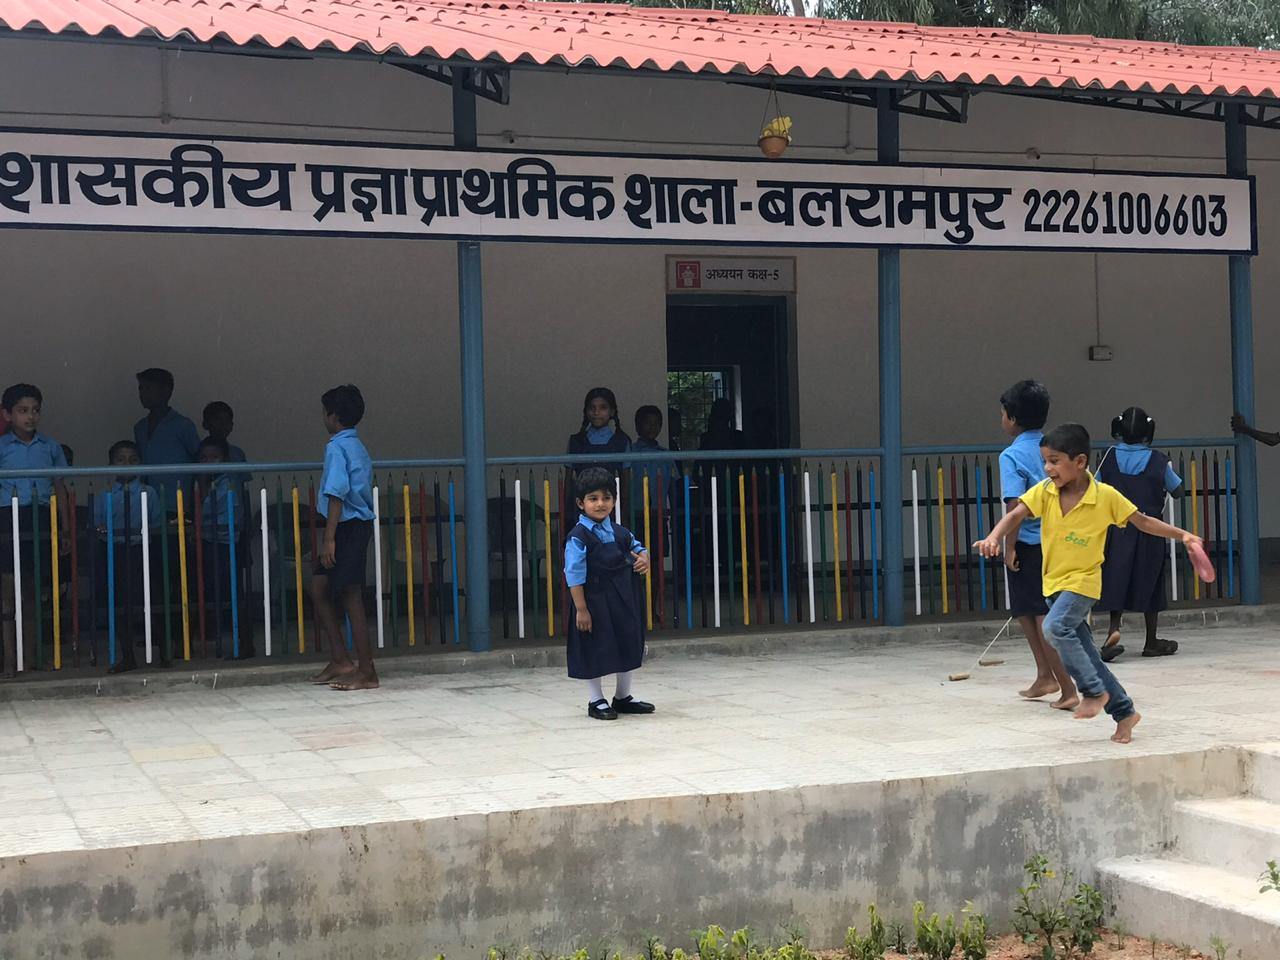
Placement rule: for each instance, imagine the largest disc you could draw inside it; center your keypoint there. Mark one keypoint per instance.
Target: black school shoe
(1160, 648)
(1111, 652)
(600, 710)
(631, 705)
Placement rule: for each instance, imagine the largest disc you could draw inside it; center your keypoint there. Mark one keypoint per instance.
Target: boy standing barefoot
(1075, 512)
(346, 503)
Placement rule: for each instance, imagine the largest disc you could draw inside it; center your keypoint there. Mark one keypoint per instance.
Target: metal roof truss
(489, 83)
(937, 103)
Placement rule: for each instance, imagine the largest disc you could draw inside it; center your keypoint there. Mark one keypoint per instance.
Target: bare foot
(1112, 639)
(1066, 703)
(333, 671)
(1124, 729)
(356, 681)
(1090, 707)
(1041, 688)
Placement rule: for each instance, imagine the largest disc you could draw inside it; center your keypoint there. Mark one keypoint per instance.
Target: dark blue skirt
(615, 599)
(1135, 572)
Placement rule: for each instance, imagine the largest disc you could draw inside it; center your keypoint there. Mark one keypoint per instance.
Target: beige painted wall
(266, 323)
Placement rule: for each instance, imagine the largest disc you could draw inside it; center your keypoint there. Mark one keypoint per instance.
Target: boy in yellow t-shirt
(1075, 512)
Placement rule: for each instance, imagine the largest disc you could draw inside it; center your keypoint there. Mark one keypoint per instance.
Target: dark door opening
(733, 349)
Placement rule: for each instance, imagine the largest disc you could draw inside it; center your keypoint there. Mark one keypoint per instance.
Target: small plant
(711, 943)
(793, 949)
(1270, 877)
(741, 946)
(973, 934)
(1062, 926)
(897, 936)
(935, 939)
(873, 945)
(796, 935)
(1154, 943)
(1121, 933)
(654, 950)
(1039, 913)
(1219, 947)
(1084, 920)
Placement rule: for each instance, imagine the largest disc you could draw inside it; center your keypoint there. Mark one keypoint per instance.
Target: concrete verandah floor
(90, 772)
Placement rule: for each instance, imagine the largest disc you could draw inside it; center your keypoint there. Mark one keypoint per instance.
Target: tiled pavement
(99, 772)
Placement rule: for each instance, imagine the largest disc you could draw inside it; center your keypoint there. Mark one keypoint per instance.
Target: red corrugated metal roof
(691, 41)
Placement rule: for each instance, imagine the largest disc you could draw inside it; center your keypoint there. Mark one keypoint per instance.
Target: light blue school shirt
(348, 475)
(216, 511)
(174, 440)
(598, 436)
(134, 494)
(236, 455)
(575, 552)
(40, 453)
(1132, 459)
(1021, 468)
(651, 468)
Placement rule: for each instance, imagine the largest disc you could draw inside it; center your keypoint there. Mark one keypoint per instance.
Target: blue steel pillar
(471, 346)
(1241, 284)
(890, 314)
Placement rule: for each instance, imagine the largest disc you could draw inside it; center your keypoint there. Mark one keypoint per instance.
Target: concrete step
(1188, 903)
(1238, 834)
(1264, 771)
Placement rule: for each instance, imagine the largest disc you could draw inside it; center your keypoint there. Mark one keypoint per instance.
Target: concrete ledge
(542, 654)
(549, 878)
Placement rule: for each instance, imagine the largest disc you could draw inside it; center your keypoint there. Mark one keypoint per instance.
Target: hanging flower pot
(773, 145)
(775, 135)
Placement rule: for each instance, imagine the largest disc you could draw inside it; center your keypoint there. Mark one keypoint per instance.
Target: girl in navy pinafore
(1137, 566)
(600, 432)
(603, 562)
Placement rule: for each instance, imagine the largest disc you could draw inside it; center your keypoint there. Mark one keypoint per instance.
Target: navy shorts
(1026, 586)
(351, 555)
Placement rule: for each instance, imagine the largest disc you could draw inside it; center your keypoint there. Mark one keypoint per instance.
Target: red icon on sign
(688, 274)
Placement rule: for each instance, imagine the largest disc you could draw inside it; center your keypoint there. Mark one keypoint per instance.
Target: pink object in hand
(1200, 561)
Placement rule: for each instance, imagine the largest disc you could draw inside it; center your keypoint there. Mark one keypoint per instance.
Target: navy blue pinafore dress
(615, 599)
(1136, 565)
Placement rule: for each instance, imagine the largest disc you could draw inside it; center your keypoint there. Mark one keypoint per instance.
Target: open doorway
(733, 351)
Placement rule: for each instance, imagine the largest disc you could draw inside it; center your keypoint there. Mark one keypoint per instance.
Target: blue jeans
(1067, 628)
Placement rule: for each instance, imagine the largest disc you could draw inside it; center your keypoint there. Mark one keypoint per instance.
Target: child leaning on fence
(118, 515)
(346, 503)
(224, 507)
(1075, 512)
(25, 447)
(606, 625)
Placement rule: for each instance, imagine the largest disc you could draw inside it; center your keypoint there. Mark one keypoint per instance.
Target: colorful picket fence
(733, 546)
(191, 586)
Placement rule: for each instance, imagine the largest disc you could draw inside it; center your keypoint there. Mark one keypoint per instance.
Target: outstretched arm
(1240, 425)
(1158, 528)
(990, 547)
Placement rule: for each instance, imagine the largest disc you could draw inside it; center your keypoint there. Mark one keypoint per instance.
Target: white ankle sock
(623, 689)
(594, 690)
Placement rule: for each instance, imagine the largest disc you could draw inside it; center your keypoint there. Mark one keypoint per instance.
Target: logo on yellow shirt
(1079, 541)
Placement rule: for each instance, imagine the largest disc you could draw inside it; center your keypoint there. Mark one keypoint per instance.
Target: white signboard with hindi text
(55, 180)
(697, 274)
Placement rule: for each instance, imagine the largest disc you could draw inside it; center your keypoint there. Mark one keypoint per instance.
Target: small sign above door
(731, 274)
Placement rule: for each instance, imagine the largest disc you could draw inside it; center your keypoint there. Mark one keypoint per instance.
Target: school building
(266, 315)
